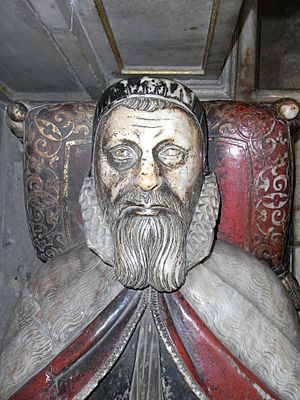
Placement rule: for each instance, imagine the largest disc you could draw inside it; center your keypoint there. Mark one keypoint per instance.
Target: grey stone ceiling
(72, 49)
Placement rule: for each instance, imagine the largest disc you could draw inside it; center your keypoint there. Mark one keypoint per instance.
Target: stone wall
(280, 44)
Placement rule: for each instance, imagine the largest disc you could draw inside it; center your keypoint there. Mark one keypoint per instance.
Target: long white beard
(196, 245)
(150, 250)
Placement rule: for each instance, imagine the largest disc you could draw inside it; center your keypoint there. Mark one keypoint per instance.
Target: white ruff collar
(200, 236)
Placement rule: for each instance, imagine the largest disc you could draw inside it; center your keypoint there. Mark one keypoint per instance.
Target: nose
(148, 177)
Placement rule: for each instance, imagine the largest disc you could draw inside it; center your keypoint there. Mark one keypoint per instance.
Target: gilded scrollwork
(268, 143)
(47, 132)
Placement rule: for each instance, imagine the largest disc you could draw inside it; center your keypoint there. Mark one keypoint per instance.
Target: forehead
(169, 124)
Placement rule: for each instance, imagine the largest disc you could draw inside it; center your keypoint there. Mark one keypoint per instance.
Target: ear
(201, 233)
(97, 232)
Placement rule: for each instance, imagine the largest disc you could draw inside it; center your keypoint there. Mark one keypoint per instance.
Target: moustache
(135, 201)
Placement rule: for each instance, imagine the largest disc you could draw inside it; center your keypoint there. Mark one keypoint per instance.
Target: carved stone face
(149, 148)
(148, 170)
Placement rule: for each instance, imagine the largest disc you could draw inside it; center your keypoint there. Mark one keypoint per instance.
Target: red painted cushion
(251, 155)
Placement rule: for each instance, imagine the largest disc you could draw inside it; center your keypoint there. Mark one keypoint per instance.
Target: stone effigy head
(149, 203)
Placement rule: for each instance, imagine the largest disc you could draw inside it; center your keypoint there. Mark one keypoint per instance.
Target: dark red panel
(267, 178)
(218, 373)
(231, 169)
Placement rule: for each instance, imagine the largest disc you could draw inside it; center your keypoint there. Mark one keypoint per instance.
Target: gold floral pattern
(50, 131)
(266, 141)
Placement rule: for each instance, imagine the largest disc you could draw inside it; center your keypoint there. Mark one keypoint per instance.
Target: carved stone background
(250, 152)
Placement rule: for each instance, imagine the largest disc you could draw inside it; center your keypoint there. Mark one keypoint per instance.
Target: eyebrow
(123, 141)
(136, 133)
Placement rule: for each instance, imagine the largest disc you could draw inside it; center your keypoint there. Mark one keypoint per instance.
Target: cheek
(113, 180)
(182, 179)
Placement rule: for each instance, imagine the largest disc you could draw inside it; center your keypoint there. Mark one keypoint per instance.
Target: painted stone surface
(195, 318)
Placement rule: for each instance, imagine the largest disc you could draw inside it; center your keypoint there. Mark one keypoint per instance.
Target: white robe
(238, 297)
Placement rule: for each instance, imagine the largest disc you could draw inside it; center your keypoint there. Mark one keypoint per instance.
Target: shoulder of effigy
(230, 268)
(238, 267)
(234, 265)
(252, 277)
(69, 267)
(76, 272)
(63, 297)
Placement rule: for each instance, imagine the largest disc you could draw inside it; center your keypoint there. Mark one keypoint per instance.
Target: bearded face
(148, 177)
